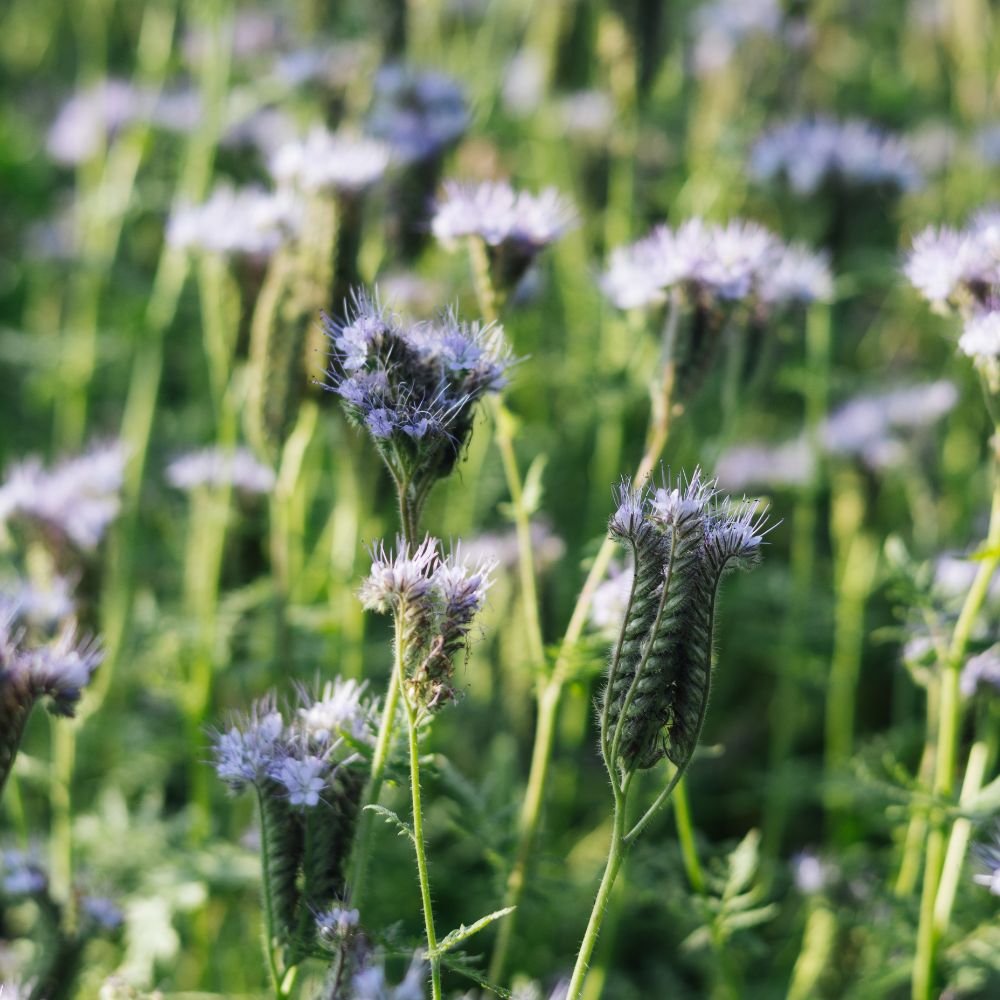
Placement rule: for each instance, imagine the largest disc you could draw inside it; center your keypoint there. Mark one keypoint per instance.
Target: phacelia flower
(303, 778)
(988, 857)
(414, 386)
(336, 923)
(89, 119)
(738, 261)
(106, 914)
(370, 983)
(251, 748)
(682, 538)
(22, 874)
(947, 266)
(219, 467)
(514, 225)
(981, 337)
(246, 221)
(325, 161)
(874, 426)
(982, 672)
(341, 709)
(419, 114)
(435, 600)
(75, 501)
(809, 152)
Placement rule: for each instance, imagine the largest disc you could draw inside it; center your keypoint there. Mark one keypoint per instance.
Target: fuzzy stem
(616, 855)
(946, 750)
(550, 691)
(685, 836)
(418, 816)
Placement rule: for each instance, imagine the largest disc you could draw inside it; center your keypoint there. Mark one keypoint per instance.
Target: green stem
(946, 750)
(616, 855)
(418, 819)
(685, 836)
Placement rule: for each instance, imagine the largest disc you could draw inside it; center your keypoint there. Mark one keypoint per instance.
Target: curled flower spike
(435, 600)
(682, 540)
(413, 386)
(340, 709)
(514, 225)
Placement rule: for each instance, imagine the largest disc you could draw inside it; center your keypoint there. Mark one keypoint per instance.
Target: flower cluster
(960, 269)
(73, 502)
(236, 221)
(324, 161)
(414, 386)
(435, 600)
(682, 538)
(56, 671)
(988, 856)
(370, 983)
(982, 673)
(810, 152)
(419, 114)
(740, 261)
(514, 225)
(309, 781)
(218, 467)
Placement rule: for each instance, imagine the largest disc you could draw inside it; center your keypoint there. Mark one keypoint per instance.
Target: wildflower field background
(287, 289)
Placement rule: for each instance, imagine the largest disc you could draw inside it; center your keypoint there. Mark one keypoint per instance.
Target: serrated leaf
(404, 829)
(742, 865)
(463, 932)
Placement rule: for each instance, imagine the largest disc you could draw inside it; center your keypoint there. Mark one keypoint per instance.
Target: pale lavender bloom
(587, 114)
(988, 856)
(982, 672)
(104, 912)
(62, 668)
(523, 83)
(21, 874)
(741, 253)
(220, 467)
(334, 66)
(800, 275)
(174, 110)
(811, 873)
(370, 983)
(248, 752)
(498, 214)
(671, 506)
(943, 260)
(463, 584)
(303, 778)
(400, 577)
(89, 119)
(328, 161)
(736, 530)
(789, 464)
(864, 426)
(77, 499)
(607, 609)
(248, 221)
(251, 31)
(341, 708)
(953, 576)
(418, 113)
(809, 151)
(264, 129)
(721, 27)
(547, 548)
(45, 605)
(981, 337)
(336, 923)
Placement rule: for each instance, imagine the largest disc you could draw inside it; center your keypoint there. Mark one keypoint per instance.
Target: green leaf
(533, 491)
(462, 933)
(742, 865)
(404, 828)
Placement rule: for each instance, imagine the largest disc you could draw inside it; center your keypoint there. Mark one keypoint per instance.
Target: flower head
(988, 857)
(370, 983)
(249, 750)
(414, 386)
(325, 161)
(304, 778)
(982, 672)
(336, 923)
(981, 337)
(808, 152)
(340, 709)
(220, 467)
(75, 501)
(61, 669)
(246, 221)
(419, 114)
(401, 577)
